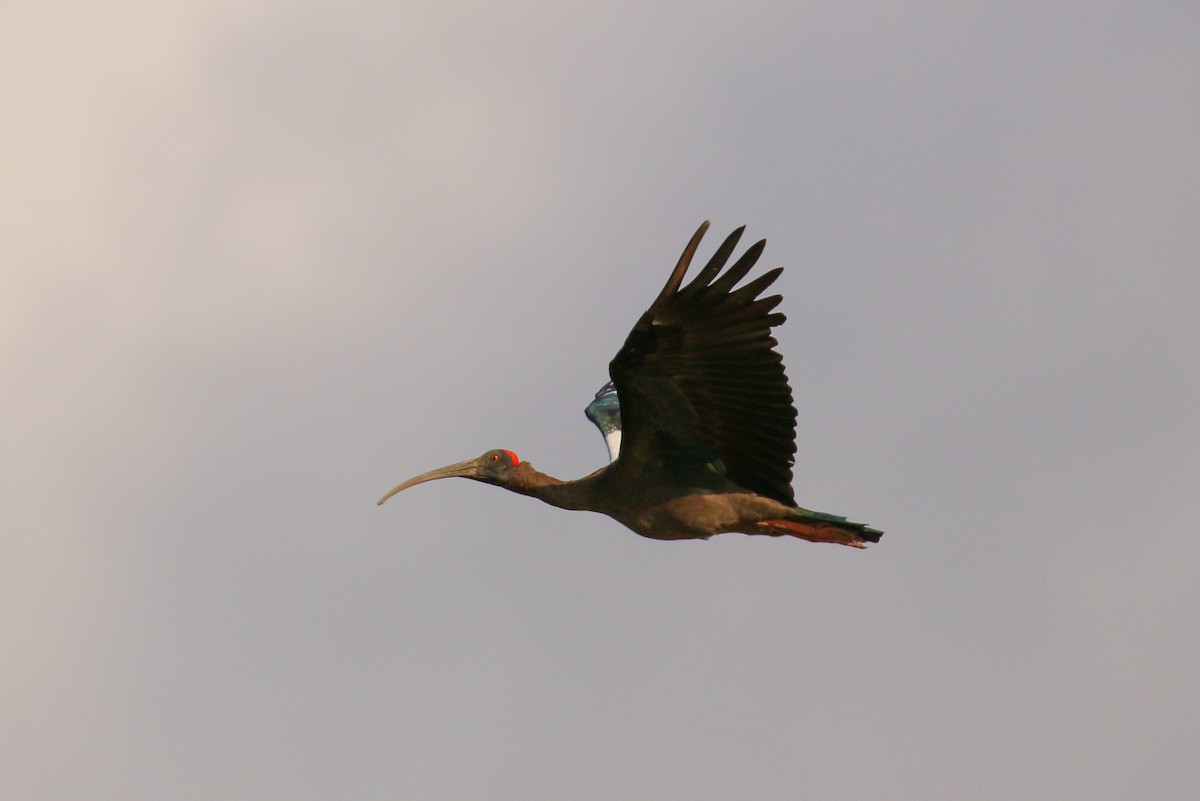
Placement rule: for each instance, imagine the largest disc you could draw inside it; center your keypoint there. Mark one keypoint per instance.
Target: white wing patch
(613, 440)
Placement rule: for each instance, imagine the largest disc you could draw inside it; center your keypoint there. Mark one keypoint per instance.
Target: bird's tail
(822, 527)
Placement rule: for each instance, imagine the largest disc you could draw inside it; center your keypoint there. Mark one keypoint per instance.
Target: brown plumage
(708, 423)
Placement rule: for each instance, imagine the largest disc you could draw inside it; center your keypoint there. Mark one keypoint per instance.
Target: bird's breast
(694, 516)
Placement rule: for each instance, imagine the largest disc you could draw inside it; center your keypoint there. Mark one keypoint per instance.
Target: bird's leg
(813, 532)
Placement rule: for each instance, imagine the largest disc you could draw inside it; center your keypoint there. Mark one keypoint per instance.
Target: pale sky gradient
(263, 260)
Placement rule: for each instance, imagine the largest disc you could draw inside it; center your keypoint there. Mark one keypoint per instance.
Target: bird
(699, 419)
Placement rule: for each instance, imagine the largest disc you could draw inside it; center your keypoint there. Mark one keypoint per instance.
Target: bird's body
(703, 435)
(691, 507)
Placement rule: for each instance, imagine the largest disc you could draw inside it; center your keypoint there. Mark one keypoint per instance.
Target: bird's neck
(527, 480)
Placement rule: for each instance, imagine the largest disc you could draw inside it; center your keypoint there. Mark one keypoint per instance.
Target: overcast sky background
(260, 261)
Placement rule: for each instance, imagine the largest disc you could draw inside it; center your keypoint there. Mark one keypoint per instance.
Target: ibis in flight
(698, 419)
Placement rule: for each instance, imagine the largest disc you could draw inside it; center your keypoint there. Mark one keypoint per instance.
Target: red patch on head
(515, 460)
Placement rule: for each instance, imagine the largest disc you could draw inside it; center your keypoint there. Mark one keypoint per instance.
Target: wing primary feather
(718, 260)
(739, 269)
(681, 268)
(744, 294)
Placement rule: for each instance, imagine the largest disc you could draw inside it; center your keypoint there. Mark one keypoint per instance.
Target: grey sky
(262, 261)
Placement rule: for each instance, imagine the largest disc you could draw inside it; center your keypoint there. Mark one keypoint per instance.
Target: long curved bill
(467, 469)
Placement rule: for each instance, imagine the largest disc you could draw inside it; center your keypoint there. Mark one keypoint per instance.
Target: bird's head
(494, 467)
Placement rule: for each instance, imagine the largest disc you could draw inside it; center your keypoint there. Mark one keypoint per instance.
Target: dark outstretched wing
(700, 381)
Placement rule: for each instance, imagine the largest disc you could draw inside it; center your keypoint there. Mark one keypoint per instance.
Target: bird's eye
(495, 457)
